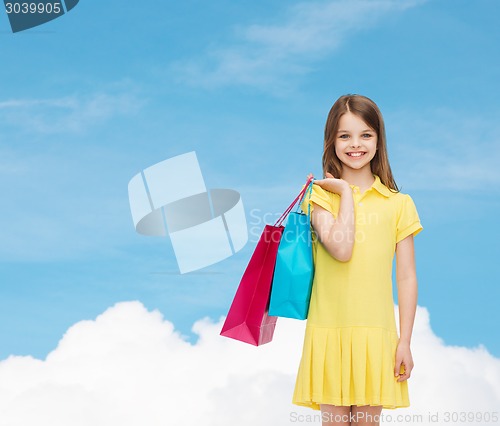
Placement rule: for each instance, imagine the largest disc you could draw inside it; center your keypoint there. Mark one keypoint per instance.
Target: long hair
(369, 112)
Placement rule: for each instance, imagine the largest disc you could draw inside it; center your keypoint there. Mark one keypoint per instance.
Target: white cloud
(130, 367)
(262, 54)
(68, 114)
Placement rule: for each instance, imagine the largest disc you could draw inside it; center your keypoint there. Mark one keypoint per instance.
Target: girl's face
(355, 142)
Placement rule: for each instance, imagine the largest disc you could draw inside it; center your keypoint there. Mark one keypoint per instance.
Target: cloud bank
(262, 54)
(418, 138)
(130, 366)
(68, 114)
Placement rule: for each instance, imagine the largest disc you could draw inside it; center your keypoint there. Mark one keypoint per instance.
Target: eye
(367, 135)
(342, 136)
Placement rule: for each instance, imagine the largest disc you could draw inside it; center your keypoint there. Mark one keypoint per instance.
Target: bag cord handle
(308, 186)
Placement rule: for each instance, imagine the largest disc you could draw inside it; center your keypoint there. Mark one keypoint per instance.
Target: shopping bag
(248, 319)
(294, 270)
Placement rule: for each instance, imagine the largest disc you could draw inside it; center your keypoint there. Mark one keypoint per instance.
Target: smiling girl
(353, 362)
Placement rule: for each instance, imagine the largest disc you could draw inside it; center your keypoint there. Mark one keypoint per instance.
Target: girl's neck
(362, 178)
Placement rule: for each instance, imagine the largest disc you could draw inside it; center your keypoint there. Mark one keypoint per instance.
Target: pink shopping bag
(248, 319)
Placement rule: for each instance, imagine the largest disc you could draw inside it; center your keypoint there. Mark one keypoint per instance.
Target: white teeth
(355, 154)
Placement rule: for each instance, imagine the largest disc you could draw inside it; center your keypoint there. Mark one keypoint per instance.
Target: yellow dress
(350, 341)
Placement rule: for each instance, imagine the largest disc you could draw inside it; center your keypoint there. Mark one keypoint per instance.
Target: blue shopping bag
(294, 269)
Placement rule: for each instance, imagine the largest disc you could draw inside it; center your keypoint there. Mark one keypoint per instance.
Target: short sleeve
(319, 196)
(408, 220)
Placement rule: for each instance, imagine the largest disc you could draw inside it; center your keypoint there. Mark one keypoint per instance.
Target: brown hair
(369, 112)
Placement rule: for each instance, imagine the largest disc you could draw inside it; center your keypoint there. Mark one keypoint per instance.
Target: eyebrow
(362, 131)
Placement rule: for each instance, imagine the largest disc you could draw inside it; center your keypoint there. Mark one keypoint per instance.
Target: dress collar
(378, 185)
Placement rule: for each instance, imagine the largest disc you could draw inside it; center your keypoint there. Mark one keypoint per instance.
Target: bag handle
(308, 204)
(307, 186)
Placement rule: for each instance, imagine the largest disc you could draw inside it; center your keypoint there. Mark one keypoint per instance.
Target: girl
(353, 362)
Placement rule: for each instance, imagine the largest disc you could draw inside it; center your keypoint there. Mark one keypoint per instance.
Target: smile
(356, 154)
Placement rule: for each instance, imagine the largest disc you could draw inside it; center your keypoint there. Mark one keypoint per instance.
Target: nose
(354, 142)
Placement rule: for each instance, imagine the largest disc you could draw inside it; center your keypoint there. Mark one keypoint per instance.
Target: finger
(404, 376)
(397, 368)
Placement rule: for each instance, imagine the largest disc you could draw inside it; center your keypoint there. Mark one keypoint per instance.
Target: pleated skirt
(349, 366)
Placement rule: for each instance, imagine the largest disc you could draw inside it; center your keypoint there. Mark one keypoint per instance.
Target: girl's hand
(403, 357)
(338, 186)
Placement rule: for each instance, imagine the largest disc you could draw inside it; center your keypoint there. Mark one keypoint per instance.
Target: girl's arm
(336, 235)
(406, 277)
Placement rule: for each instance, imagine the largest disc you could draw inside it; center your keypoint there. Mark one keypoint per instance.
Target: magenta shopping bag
(248, 319)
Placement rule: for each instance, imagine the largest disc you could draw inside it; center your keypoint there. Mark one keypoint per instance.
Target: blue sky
(92, 98)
